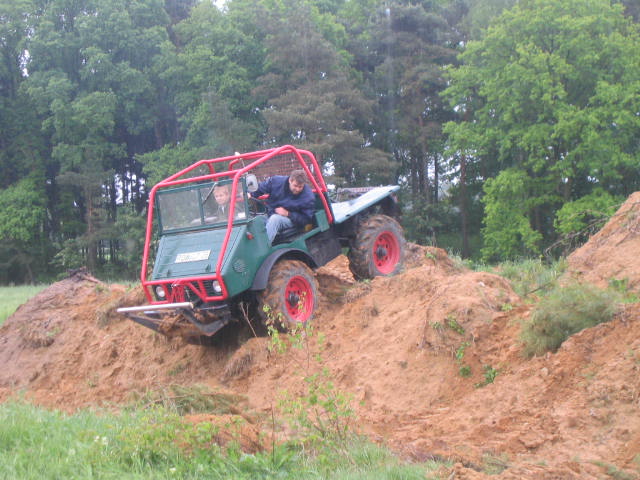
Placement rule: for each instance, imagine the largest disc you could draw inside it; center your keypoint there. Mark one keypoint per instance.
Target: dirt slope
(612, 253)
(399, 345)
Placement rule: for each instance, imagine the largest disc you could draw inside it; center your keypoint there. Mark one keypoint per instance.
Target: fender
(262, 275)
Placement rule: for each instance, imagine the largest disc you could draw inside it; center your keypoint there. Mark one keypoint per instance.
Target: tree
(401, 51)
(507, 231)
(311, 98)
(206, 81)
(22, 221)
(88, 78)
(551, 90)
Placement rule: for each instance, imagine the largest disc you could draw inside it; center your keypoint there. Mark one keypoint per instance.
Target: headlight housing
(160, 292)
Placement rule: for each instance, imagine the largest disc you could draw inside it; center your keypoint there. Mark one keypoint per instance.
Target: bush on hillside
(564, 311)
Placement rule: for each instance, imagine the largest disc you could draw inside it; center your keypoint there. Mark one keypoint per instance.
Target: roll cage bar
(235, 166)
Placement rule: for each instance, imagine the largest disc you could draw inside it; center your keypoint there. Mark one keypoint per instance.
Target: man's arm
(263, 188)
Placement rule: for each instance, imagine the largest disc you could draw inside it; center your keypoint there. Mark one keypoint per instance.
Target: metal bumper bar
(151, 316)
(163, 306)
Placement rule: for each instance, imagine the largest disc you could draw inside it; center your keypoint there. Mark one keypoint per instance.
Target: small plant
(489, 374)
(565, 311)
(453, 324)
(621, 286)
(506, 307)
(437, 326)
(464, 370)
(93, 380)
(322, 415)
(460, 351)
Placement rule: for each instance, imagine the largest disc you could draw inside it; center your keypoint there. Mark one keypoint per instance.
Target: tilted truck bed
(342, 211)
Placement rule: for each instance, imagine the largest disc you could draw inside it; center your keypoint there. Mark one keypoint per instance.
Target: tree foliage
(507, 229)
(534, 122)
(551, 91)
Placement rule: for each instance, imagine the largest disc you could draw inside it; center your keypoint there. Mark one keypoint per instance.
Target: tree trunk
(463, 207)
(92, 247)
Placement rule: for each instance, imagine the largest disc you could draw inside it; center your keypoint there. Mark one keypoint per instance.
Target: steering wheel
(257, 206)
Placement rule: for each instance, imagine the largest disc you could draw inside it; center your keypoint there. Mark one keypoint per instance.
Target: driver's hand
(281, 211)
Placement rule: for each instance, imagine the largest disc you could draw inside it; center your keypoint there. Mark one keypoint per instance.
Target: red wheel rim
(299, 299)
(386, 252)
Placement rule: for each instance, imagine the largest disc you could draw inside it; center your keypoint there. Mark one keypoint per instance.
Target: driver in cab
(290, 203)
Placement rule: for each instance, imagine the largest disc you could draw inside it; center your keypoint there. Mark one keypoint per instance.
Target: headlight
(216, 287)
(160, 291)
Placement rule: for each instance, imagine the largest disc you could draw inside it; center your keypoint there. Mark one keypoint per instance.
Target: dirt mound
(418, 352)
(611, 255)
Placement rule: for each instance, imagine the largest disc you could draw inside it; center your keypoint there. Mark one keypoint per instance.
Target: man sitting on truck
(290, 204)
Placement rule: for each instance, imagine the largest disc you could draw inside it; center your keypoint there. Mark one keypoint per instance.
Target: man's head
(297, 179)
(222, 194)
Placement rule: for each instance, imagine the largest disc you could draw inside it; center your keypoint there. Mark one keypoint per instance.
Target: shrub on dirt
(531, 275)
(566, 310)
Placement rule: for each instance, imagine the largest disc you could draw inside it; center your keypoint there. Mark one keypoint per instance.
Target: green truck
(201, 272)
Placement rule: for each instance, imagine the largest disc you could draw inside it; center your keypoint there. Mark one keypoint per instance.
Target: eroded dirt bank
(398, 345)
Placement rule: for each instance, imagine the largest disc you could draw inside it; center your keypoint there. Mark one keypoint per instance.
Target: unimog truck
(201, 272)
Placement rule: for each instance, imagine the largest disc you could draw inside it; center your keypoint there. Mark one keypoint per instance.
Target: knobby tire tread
(273, 295)
(361, 262)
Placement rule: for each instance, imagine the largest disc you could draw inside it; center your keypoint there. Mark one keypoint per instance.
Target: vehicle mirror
(252, 182)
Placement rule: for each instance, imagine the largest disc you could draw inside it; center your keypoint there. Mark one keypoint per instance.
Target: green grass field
(157, 444)
(13, 297)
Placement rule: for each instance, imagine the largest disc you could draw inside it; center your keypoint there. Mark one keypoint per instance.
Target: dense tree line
(510, 125)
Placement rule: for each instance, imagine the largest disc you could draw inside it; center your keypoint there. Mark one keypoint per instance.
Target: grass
(566, 310)
(13, 297)
(156, 444)
(531, 275)
(527, 276)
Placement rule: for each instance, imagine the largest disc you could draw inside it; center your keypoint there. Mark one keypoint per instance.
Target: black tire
(377, 249)
(291, 296)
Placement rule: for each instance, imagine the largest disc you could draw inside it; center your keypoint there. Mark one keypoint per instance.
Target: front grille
(183, 293)
(192, 296)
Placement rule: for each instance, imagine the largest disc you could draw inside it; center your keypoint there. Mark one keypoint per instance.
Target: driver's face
(295, 187)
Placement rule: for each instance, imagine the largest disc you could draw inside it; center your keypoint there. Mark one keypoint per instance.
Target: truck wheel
(377, 249)
(290, 297)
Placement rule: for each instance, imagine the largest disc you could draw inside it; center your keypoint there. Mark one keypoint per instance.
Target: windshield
(204, 204)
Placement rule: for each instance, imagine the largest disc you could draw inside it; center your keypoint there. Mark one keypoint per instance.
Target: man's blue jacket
(300, 207)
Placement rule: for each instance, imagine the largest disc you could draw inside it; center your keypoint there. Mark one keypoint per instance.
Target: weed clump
(532, 275)
(566, 310)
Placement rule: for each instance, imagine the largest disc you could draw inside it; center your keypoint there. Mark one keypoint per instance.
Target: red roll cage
(263, 163)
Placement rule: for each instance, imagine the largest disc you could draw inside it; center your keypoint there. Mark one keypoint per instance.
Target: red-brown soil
(398, 345)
